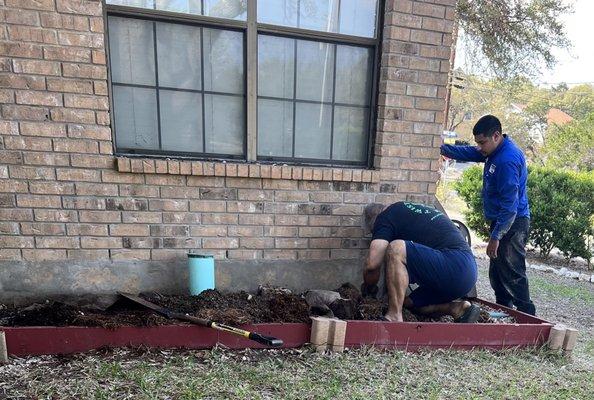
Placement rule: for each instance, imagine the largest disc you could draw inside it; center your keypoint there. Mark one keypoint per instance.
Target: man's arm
(462, 153)
(371, 269)
(508, 184)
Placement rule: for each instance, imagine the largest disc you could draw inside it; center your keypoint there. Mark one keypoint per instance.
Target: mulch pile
(237, 308)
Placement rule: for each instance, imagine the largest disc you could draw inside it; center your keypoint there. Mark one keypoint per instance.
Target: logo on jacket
(492, 168)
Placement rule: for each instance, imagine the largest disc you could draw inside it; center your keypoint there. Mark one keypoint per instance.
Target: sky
(575, 65)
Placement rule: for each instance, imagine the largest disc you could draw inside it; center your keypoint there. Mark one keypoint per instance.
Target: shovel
(262, 339)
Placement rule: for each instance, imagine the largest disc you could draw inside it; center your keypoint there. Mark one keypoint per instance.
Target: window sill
(236, 170)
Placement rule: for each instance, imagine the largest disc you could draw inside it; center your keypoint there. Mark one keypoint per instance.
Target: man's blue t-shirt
(420, 224)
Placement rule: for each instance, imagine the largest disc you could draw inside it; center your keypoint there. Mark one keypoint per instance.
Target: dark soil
(235, 308)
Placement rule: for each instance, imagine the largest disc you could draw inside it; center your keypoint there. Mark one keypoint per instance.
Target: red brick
(72, 115)
(244, 254)
(313, 254)
(23, 172)
(291, 220)
(69, 85)
(100, 216)
(10, 254)
(165, 180)
(324, 243)
(245, 230)
(280, 255)
(22, 82)
(208, 206)
(36, 67)
(97, 24)
(83, 7)
(9, 228)
(291, 196)
(11, 157)
(209, 230)
(168, 205)
(118, 177)
(255, 195)
(99, 57)
(100, 242)
(244, 183)
(56, 242)
(36, 228)
(146, 217)
(75, 146)
(280, 231)
(12, 186)
(256, 243)
(88, 255)
(51, 188)
(24, 50)
(196, 167)
(19, 112)
(138, 191)
(129, 230)
(21, 17)
(219, 169)
(77, 174)
(72, 70)
(181, 218)
(31, 4)
(83, 203)
(55, 215)
(80, 39)
(38, 201)
(27, 143)
(67, 54)
(100, 88)
(214, 219)
(43, 129)
(86, 101)
(256, 219)
(280, 184)
(180, 192)
(96, 189)
(9, 128)
(44, 255)
(45, 159)
(86, 230)
(21, 33)
(91, 161)
(61, 21)
(290, 243)
(220, 243)
(314, 232)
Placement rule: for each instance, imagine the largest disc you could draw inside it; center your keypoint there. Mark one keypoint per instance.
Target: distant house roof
(558, 117)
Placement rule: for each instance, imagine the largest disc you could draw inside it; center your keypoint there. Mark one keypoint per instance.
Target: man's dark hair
(487, 126)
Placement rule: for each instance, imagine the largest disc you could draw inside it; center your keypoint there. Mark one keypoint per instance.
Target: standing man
(505, 203)
(419, 244)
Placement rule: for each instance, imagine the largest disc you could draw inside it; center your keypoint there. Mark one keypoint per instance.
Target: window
(207, 78)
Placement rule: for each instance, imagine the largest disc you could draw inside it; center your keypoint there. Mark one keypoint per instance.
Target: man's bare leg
(454, 308)
(396, 279)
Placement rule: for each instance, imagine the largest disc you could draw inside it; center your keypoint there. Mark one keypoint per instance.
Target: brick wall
(64, 196)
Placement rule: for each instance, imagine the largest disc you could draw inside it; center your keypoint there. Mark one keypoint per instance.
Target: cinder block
(569, 341)
(320, 328)
(336, 335)
(3, 349)
(556, 337)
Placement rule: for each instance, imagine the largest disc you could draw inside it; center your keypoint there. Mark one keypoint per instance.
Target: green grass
(357, 374)
(581, 294)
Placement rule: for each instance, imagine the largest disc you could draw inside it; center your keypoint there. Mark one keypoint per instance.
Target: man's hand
(492, 247)
(369, 290)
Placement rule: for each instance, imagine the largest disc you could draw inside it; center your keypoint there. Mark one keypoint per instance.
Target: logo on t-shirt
(492, 168)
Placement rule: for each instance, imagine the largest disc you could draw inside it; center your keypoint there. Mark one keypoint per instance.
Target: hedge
(561, 207)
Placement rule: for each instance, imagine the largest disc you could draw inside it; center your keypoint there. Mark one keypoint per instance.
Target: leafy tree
(571, 146)
(512, 37)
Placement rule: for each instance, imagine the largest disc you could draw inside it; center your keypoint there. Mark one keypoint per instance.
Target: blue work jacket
(504, 182)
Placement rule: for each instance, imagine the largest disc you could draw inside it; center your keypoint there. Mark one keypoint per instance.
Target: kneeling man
(419, 244)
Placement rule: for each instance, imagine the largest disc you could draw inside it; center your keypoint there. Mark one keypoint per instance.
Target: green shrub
(469, 188)
(561, 207)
